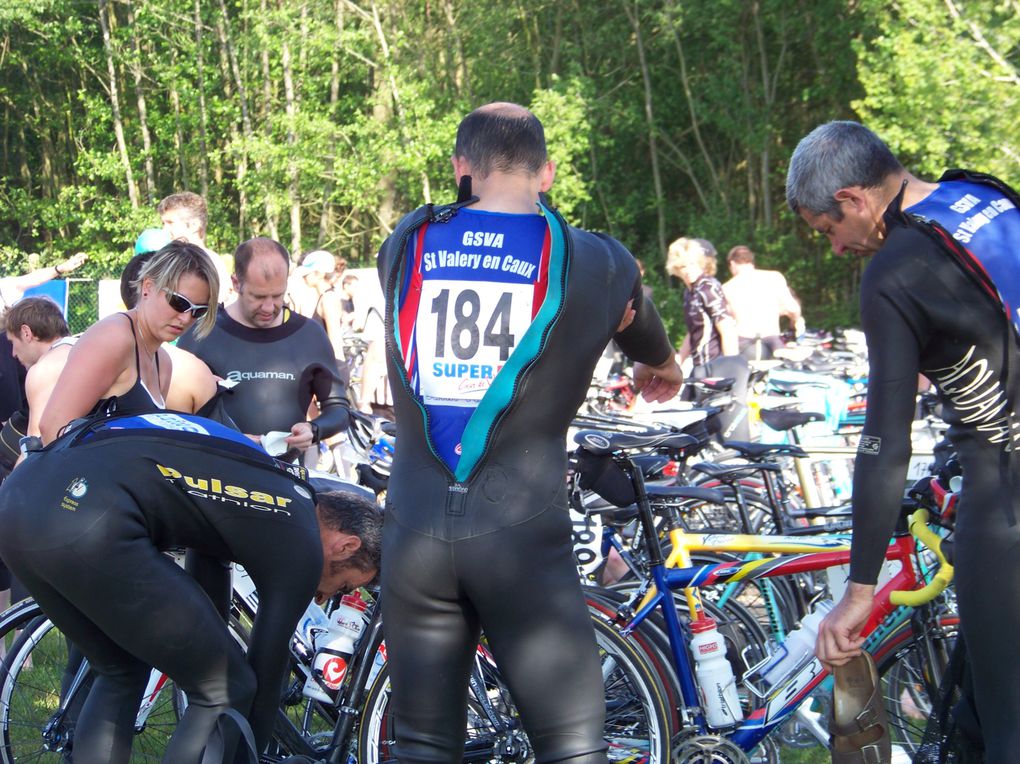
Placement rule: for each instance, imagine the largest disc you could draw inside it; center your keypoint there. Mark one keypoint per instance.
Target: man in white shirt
(757, 300)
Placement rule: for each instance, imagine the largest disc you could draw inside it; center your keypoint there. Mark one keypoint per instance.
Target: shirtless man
(40, 338)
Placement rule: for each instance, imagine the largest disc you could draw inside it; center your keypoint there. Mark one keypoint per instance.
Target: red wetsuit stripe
(542, 283)
(409, 308)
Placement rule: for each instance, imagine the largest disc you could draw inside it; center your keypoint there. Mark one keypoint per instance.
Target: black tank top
(137, 399)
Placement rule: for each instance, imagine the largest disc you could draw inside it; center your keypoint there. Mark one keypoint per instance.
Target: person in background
(36, 328)
(119, 363)
(193, 388)
(12, 288)
(37, 331)
(185, 216)
(281, 360)
(348, 287)
(320, 272)
(757, 300)
(711, 340)
(374, 395)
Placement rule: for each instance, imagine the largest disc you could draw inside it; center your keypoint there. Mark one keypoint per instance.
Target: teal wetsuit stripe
(500, 394)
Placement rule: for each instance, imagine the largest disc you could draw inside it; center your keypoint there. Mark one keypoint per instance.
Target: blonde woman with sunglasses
(120, 364)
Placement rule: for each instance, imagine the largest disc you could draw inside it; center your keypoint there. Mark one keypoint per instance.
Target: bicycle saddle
(601, 442)
(759, 450)
(729, 473)
(785, 419)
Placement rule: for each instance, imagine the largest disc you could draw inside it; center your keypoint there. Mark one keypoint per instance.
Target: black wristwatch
(30, 443)
(315, 432)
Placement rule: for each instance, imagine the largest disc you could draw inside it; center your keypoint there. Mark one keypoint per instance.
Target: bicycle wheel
(911, 666)
(32, 726)
(637, 721)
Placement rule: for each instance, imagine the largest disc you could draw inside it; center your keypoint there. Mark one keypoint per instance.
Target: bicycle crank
(708, 749)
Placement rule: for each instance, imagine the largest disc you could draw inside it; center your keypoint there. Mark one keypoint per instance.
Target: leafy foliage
(320, 123)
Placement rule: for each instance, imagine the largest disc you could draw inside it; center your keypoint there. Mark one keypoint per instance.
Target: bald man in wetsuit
(497, 312)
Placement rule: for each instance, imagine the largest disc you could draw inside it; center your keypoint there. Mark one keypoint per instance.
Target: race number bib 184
(466, 331)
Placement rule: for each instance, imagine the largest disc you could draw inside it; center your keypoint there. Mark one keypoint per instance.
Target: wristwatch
(30, 443)
(315, 432)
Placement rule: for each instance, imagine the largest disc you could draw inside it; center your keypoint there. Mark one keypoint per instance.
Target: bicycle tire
(909, 680)
(637, 718)
(30, 695)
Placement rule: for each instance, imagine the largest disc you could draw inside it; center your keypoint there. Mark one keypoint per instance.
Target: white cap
(319, 261)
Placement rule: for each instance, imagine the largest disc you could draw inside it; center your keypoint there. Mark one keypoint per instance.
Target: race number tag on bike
(466, 331)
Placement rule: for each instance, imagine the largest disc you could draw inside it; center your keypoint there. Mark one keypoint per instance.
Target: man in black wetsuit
(930, 303)
(496, 313)
(85, 522)
(280, 360)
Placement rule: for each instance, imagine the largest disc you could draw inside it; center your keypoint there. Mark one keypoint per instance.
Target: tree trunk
(175, 102)
(685, 82)
(292, 168)
(230, 52)
(382, 113)
(105, 23)
(203, 114)
(653, 151)
(461, 80)
(24, 170)
(143, 118)
(267, 106)
(334, 99)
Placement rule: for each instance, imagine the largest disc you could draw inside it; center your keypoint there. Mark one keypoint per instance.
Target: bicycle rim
(909, 679)
(637, 721)
(30, 689)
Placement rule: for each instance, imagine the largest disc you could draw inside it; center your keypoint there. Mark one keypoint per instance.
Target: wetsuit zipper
(458, 486)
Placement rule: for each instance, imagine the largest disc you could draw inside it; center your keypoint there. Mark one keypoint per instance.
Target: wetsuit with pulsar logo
(85, 521)
(494, 325)
(930, 303)
(278, 371)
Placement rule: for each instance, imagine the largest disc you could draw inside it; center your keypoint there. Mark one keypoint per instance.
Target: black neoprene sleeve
(881, 465)
(645, 339)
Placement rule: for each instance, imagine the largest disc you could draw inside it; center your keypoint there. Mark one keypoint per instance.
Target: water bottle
(333, 650)
(798, 649)
(313, 622)
(350, 615)
(717, 684)
(377, 664)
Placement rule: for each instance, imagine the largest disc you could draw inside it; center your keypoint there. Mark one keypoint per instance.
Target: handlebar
(918, 527)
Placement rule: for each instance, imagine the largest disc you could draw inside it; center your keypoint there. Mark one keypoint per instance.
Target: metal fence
(82, 304)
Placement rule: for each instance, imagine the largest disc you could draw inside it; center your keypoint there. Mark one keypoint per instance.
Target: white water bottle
(716, 682)
(333, 650)
(350, 615)
(798, 649)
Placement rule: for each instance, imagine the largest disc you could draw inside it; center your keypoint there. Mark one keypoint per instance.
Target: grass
(35, 698)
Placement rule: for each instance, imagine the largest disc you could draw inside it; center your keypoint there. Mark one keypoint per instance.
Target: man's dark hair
(246, 250)
(356, 516)
(740, 254)
(40, 314)
(833, 156)
(501, 138)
